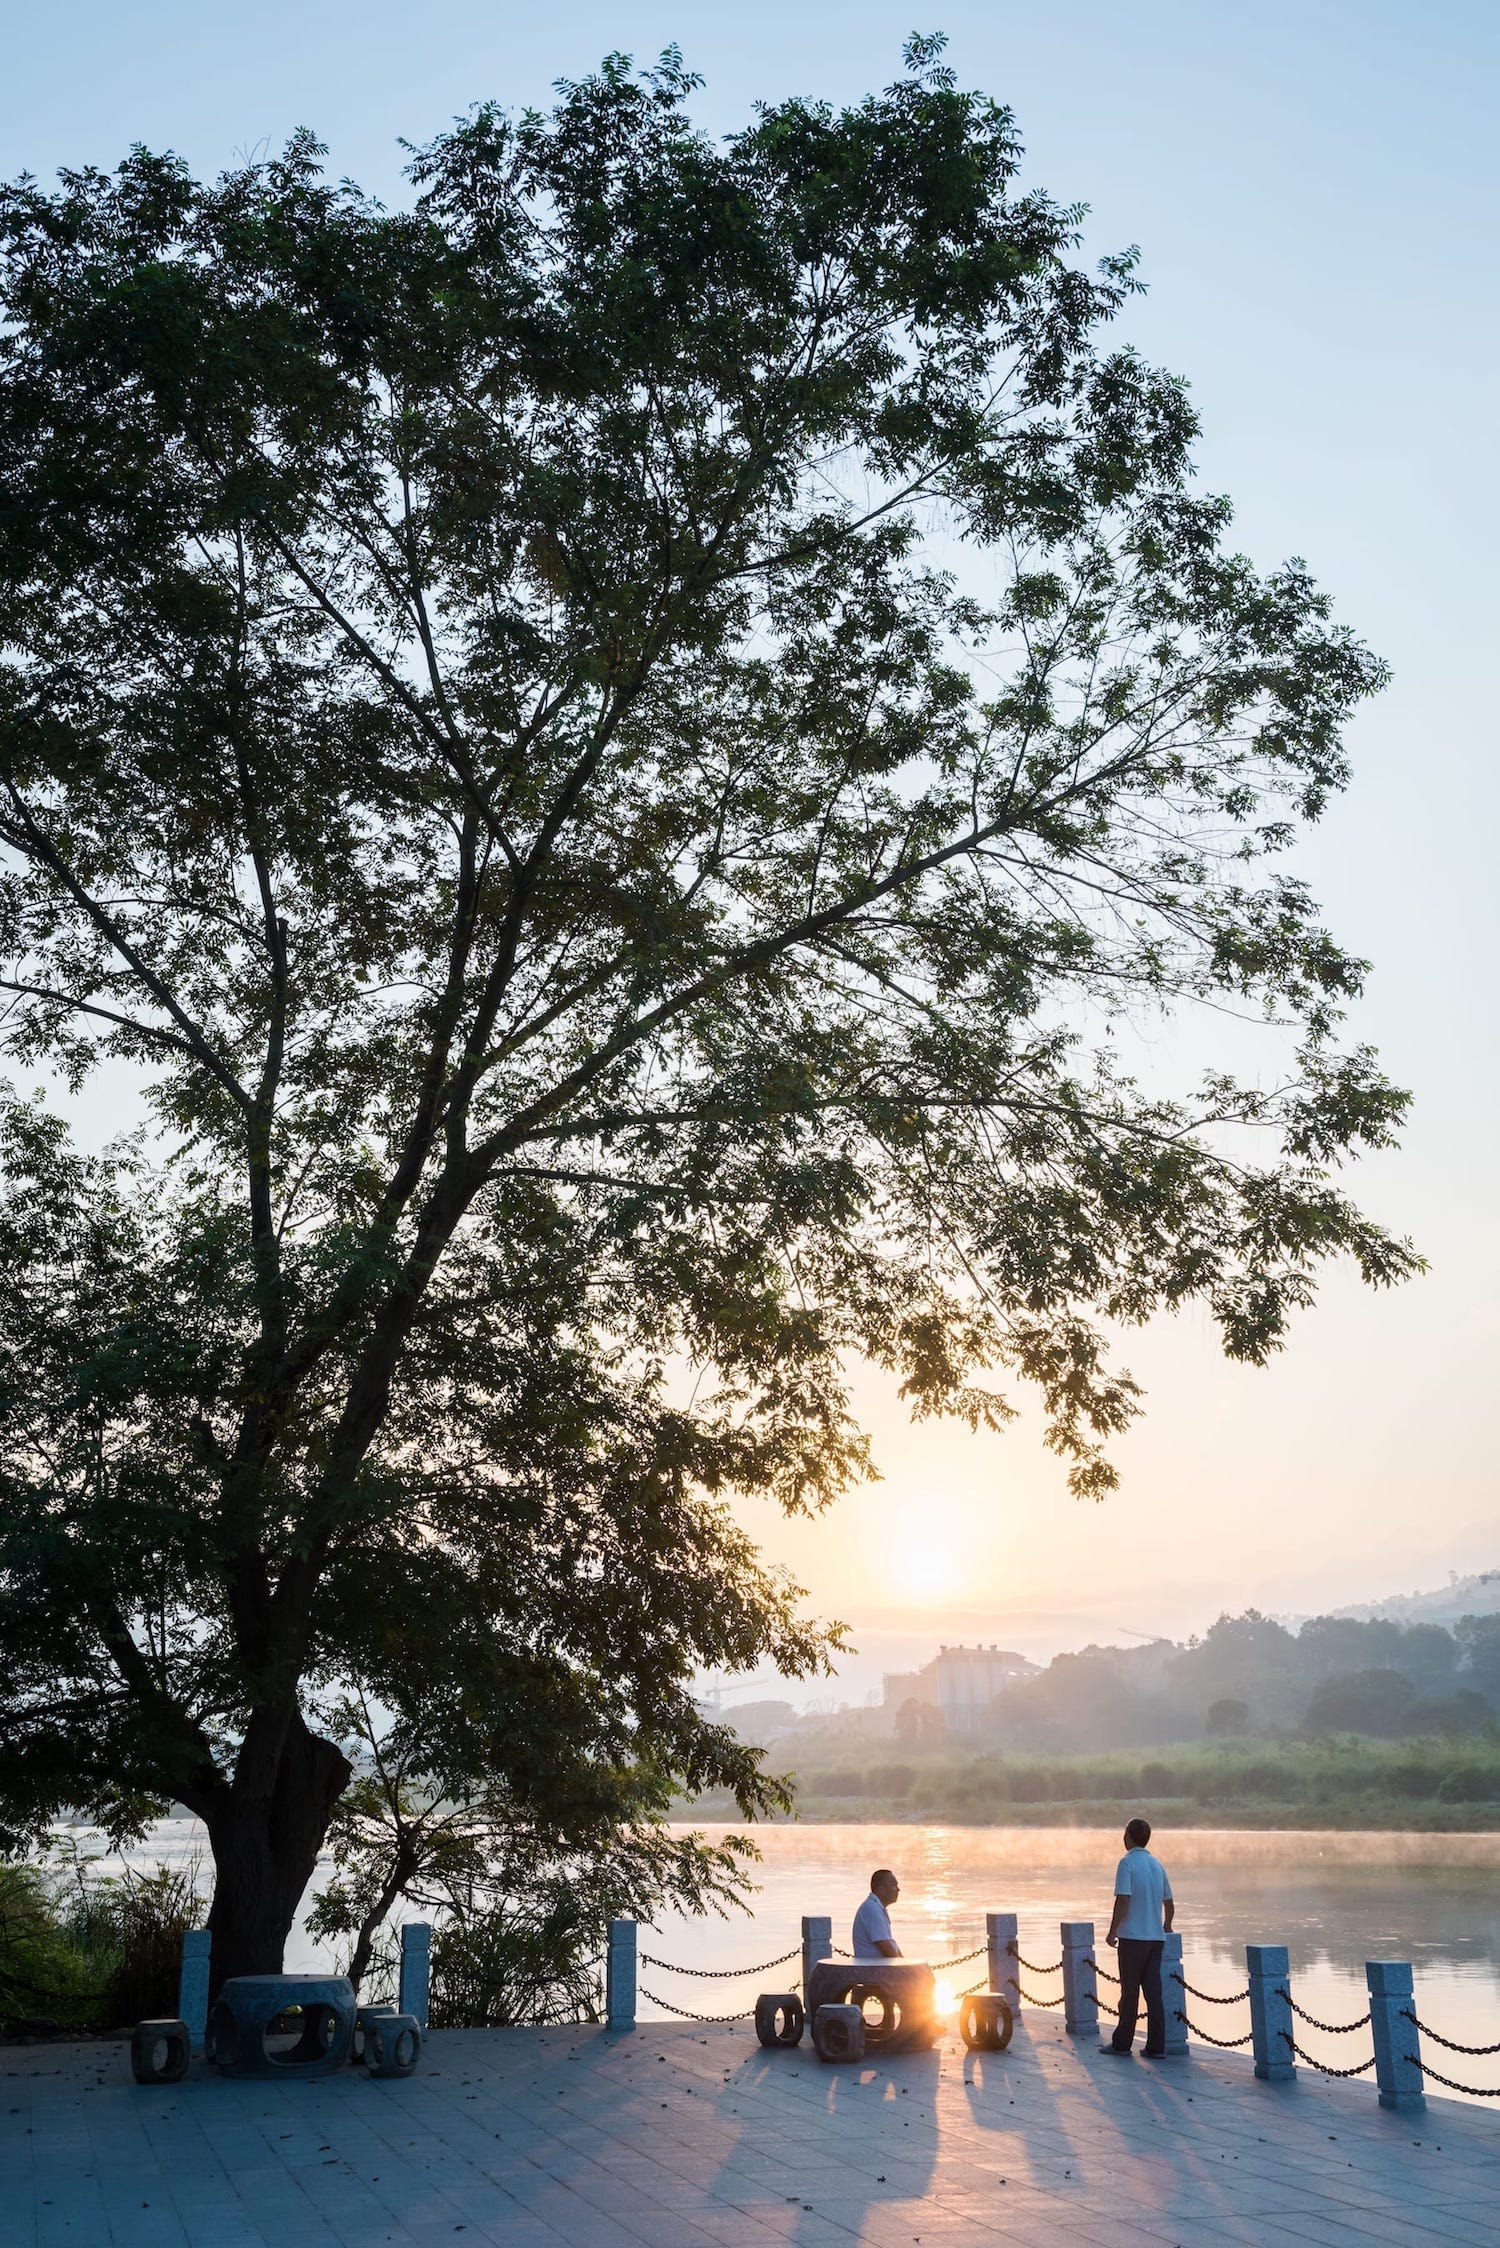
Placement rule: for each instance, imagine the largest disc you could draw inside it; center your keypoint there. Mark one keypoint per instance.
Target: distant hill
(1461, 1596)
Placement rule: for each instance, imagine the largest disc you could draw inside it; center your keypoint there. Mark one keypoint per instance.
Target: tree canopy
(609, 743)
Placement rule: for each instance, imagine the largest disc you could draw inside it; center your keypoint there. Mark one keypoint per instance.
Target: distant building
(962, 1681)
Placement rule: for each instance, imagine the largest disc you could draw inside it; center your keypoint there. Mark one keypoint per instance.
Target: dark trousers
(1140, 1976)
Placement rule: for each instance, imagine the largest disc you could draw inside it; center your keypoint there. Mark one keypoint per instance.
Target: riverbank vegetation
(1345, 1722)
(1344, 1781)
(84, 1952)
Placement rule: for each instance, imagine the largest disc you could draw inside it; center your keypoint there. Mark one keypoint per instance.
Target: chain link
(1207, 1996)
(1104, 1971)
(1333, 2029)
(977, 1953)
(1480, 2052)
(1030, 2001)
(1474, 2091)
(719, 1974)
(1225, 2044)
(683, 2015)
(1031, 1966)
(1322, 2066)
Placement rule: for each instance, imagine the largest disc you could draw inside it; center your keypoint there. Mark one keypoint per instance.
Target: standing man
(872, 1922)
(1142, 1916)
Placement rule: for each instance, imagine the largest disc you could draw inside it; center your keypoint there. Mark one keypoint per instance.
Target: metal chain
(1207, 1996)
(683, 2014)
(1031, 1966)
(1104, 1971)
(1474, 2091)
(1480, 2051)
(1030, 2001)
(1225, 2044)
(1322, 2066)
(719, 1974)
(973, 1987)
(1334, 2029)
(977, 1952)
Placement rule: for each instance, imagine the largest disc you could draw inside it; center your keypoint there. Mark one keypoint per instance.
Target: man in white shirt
(1142, 1915)
(872, 1922)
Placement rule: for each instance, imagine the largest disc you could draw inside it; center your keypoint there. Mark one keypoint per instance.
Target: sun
(927, 1569)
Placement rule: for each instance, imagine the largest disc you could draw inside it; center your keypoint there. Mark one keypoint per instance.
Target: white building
(962, 1681)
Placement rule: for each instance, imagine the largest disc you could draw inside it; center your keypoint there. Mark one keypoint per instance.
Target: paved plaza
(684, 2137)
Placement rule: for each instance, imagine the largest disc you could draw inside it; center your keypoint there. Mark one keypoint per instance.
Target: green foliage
(91, 1951)
(521, 1901)
(1350, 1782)
(612, 929)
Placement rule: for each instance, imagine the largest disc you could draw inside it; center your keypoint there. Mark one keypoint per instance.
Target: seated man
(872, 1922)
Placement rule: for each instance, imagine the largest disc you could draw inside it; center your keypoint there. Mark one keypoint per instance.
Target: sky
(1314, 188)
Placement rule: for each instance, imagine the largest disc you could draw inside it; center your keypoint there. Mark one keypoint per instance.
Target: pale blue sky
(1315, 190)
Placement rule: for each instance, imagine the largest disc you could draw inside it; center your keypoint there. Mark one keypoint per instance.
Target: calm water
(1335, 1900)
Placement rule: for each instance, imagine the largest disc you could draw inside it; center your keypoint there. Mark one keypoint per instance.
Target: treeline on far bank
(1342, 1723)
(1343, 1782)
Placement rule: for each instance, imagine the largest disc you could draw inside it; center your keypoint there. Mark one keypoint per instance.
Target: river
(1334, 1899)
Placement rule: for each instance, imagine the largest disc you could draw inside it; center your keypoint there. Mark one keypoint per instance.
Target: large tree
(608, 745)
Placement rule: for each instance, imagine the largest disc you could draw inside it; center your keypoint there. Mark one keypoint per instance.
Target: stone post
(1398, 2055)
(619, 1975)
(413, 1996)
(192, 1985)
(1270, 2012)
(1173, 1996)
(1080, 1984)
(817, 1943)
(1003, 1943)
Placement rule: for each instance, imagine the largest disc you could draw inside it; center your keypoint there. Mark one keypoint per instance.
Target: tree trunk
(266, 1833)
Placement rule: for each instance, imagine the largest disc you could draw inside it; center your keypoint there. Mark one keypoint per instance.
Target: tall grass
(88, 1951)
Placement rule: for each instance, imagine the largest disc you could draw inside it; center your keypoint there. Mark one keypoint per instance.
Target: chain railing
(721, 1974)
(684, 2015)
(1225, 2044)
(1331, 2029)
(1030, 1965)
(1056, 1967)
(1451, 2045)
(1322, 2067)
(1209, 1997)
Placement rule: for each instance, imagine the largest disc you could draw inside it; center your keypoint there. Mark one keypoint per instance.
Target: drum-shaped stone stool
(904, 1989)
(393, 2044)
(839, 2033)
(362, 2018)
(780, 2017)
(160, 2052)
(281, 2025)
(985, 2021)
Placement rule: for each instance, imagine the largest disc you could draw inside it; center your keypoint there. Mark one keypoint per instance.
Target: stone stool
(780, 2017)
(985, 2021)
(160, 2052)
(248, 2008)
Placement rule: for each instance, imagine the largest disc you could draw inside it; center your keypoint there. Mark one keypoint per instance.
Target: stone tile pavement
(684, 2137)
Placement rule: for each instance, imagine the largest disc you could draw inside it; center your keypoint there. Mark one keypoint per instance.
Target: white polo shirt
(1143, 1879)
(872, 1927)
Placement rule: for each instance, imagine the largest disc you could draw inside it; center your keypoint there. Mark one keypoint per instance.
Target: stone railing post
(1002, 1938)
(414, 1992)
(619, 1975)
(192, 1985)
(1080, 1984)
(1398, 2055)
(1270, 2012)
(1173, 1996)
(817, 1943)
